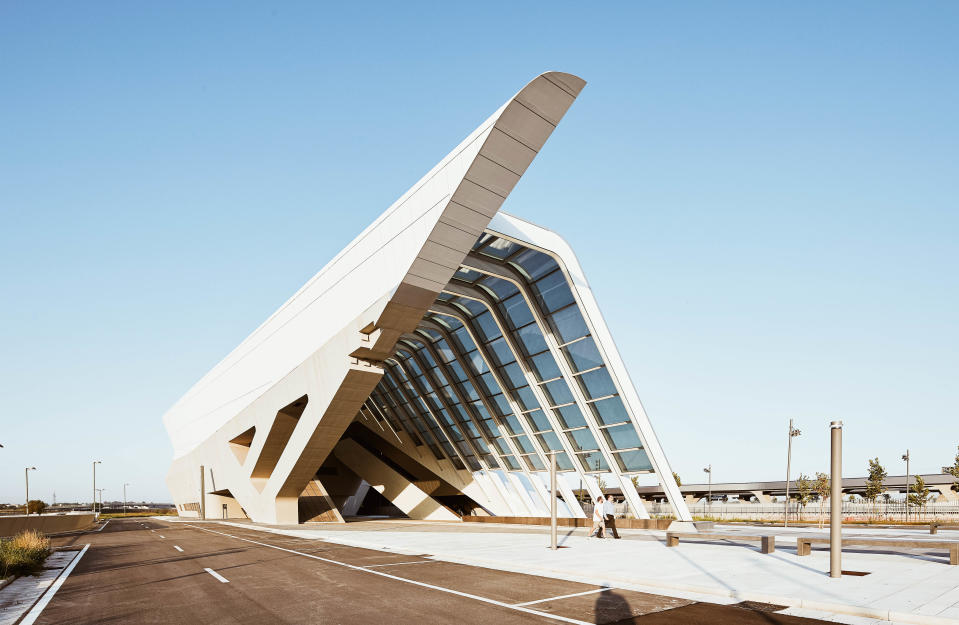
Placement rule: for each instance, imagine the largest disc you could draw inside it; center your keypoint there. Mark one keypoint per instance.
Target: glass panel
(557, 392)
(570, 416)
(523, 443)
(568, 324)
(467, 275)
(469, 391)
(526, 399)
(501, 405)
(499, 248)
(458, 463)
(512, 425)
(473, 306)
(609, 411)
(597, 383)
(534, 463)
(535, 264)
(583, 355)
(583, 440)
(633, 461)
(457, 371)
(500, 446)
(517, 312)
(622, 436)
(593, 463)
(544, 366)
(563, 463)
(487, 326)
(501, 351)
(444, 350)
(479, 366)
(511, 463)
(550, 441)
(481, 410)
(488, 384)
(532, 339)
(501, 289)
(490, 461)
(552, 292)
(538, 421)
(514, 375)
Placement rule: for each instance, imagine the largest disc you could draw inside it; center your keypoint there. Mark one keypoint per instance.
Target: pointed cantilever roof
(480, 174)
(408, 255)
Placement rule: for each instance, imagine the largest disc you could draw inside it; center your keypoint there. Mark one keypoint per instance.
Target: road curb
(791, 602)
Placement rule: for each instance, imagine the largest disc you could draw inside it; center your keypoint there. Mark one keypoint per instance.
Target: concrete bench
(767, 543)
(804, 545)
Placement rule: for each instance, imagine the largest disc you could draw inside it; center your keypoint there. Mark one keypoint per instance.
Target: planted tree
(35, 506)
(805, 492)
(954, 472)
(822, 486)
(875, 481)
(919, 496)
(679, 482)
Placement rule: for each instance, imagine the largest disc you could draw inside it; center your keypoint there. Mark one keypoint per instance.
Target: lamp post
(709, 498)
(94, 504)
(100, 490)
(26, 478)
(125, 497)
(793, 432)
(835, 506)
(905, 457)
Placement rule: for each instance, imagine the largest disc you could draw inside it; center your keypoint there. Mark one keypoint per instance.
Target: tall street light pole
(709, 498)
(125, 497)
(94, 504)
(793, 432)
(26, 477)
(906, 458)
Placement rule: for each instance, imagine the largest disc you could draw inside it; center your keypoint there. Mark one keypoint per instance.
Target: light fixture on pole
(26, 477)
(94, 504)
(125, 497)
(905, 457)
(709, 498)
(793, 432)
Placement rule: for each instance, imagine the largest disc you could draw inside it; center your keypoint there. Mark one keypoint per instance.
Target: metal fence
(881, 511)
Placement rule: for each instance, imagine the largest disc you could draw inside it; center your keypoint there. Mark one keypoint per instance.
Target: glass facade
(482, 387)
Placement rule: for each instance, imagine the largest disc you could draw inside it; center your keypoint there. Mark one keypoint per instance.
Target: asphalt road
(148, 571)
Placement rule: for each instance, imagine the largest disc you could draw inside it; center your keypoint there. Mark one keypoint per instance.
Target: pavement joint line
(575, 594)
(34, 613)
(178, 548)
(217, 575)
(547, 615)
(399, 563)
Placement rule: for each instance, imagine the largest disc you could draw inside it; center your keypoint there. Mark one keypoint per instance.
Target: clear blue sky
(764, 199)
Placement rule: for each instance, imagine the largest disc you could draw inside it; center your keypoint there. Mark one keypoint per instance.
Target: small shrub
(24, 553)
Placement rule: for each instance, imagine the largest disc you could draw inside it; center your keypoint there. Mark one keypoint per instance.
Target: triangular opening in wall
(240, 445)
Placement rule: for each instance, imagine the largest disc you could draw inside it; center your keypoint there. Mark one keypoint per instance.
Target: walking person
(599, 519)
(609, 511)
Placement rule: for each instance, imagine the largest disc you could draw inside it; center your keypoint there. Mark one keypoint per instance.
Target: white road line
(47, 596)
(217, 575)
(178, 548)
(406, 581)
(575, 594)
(100, 529)
(399, 563)
(161, 535)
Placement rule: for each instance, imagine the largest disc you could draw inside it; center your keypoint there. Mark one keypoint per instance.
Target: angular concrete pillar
(384, 479)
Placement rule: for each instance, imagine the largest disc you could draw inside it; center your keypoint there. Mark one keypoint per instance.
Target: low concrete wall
(645, 524)
(46, 523)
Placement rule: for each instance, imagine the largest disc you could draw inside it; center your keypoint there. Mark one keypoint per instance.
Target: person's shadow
(612, 608)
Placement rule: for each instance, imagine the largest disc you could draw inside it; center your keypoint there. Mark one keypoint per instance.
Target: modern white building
(428, 370)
